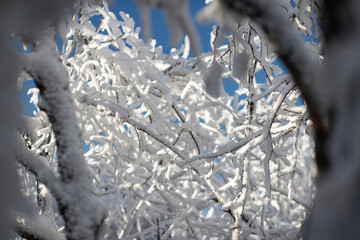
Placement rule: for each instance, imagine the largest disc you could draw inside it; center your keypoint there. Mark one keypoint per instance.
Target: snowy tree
(130, 143)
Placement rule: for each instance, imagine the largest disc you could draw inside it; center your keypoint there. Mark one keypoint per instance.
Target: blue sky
(159, 28)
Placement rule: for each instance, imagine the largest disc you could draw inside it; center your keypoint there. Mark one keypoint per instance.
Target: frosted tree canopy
(131, 142)
(170, 154)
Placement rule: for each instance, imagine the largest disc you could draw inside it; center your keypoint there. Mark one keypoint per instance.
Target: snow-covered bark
(84, 215)
(70, 185)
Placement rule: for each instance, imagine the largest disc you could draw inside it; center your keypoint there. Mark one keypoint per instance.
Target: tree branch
(51, 78)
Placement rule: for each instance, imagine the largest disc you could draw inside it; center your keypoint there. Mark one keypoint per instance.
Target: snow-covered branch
(288, 45)
(38, 165)
(36, 227)
(51, 78)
